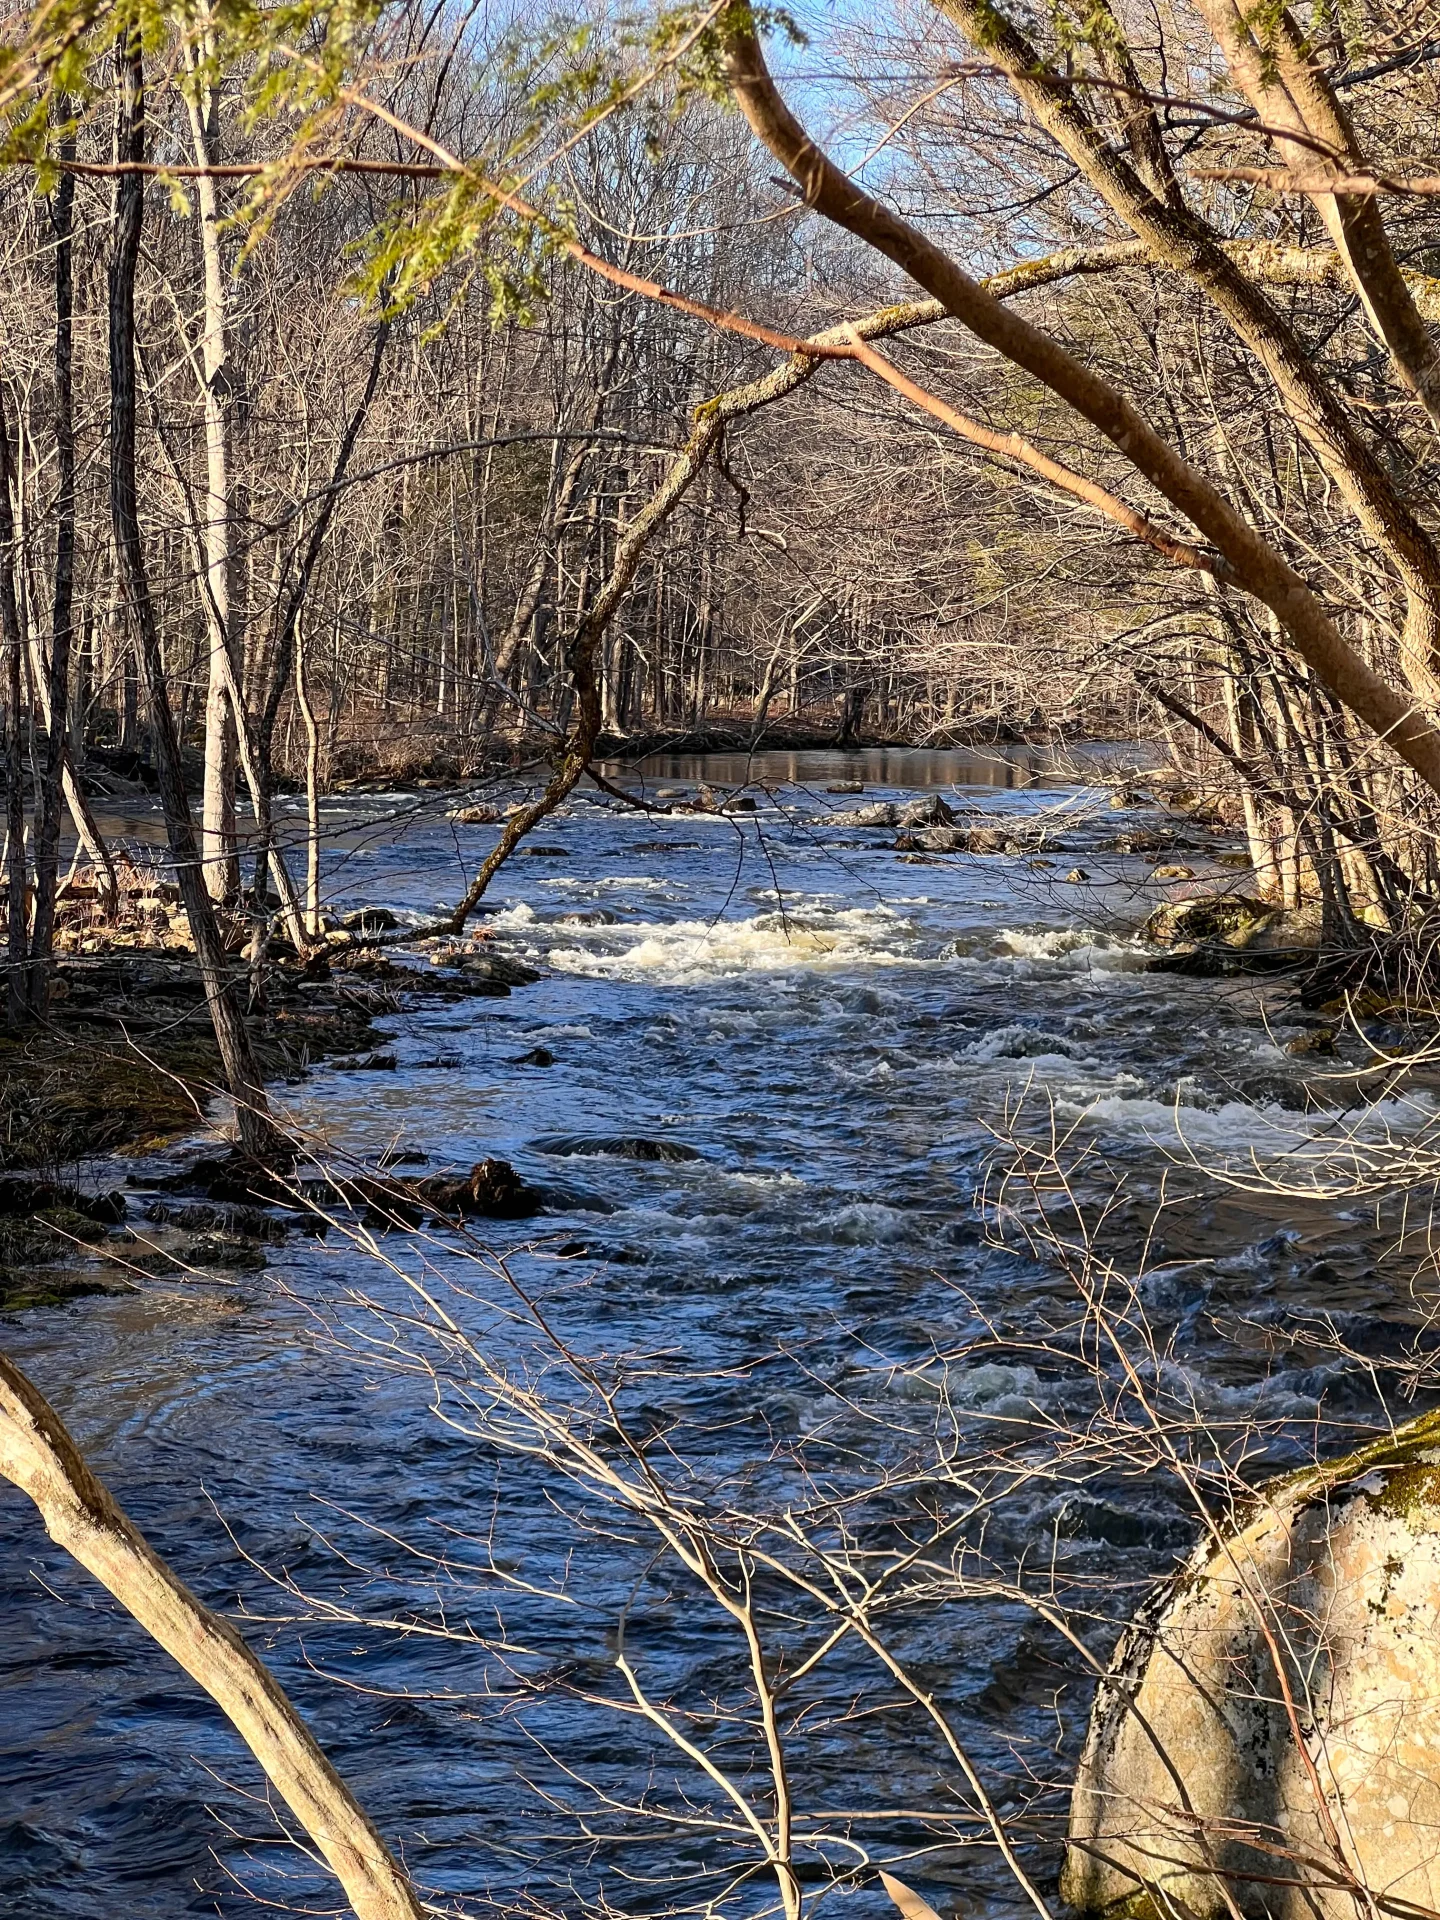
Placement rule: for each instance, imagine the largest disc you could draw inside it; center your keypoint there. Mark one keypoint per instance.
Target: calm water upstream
(832, 1030)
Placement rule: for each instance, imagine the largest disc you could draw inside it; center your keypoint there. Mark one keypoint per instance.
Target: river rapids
(767, 1072)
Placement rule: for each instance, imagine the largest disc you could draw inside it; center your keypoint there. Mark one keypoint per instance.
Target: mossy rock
(214, 1250)
(47, 1238)
(49, 1289)
(1211, 1775)
(1220, 919)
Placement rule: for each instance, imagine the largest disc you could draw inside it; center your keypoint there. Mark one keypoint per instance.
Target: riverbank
(126, 1064)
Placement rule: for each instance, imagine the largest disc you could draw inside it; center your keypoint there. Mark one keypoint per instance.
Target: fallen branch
(38, 1455)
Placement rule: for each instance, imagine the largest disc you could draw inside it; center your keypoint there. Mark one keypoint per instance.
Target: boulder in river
(1267, 1738)
(486, 965)
(1226, 919)
(937, 840)
(1145, 841)
(952, 839)
(500, 969)
(371, 920)
(491, 1190)
(932, 811)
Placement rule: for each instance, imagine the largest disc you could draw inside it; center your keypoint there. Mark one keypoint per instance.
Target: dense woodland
(862, 581)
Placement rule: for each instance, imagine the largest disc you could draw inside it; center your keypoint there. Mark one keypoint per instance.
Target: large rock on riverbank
(1228, 933)
(1269, 1731)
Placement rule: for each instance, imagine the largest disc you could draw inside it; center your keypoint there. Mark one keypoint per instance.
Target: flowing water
(816, 1037)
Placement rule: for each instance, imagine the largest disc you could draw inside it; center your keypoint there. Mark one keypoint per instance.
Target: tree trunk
(57, 716)
(258, 1134)
(218, 828)
(312, 787)
(16, 708)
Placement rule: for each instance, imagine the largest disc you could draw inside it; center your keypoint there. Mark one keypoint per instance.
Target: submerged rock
(1268, 1734)
(20, 1197)
(227, 1223)
(51, 1288)
(230, 1177)
(369, 920)
(623, 1146)
(1319, 1040)
(213, 1250)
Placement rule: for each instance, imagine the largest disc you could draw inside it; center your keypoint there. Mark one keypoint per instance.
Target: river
(829, 1033)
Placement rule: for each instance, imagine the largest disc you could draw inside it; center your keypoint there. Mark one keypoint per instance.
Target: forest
(721, 893)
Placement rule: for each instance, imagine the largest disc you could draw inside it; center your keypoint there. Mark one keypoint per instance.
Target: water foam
(682, 952)
(1069, 950)
(1261, 1129)
(1015, 1042)
(867, 1223)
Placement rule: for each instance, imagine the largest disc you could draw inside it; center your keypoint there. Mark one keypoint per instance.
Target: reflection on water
(898, 767)
(830, 1030)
